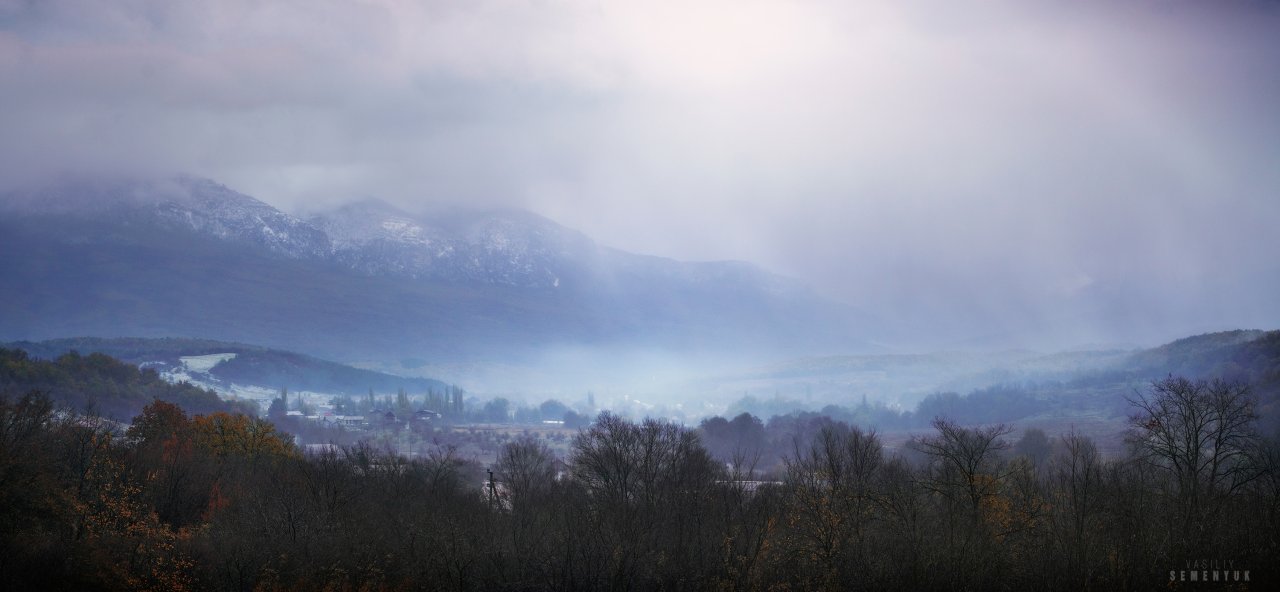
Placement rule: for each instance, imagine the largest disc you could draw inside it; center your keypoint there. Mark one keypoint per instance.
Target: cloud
(1072, 167)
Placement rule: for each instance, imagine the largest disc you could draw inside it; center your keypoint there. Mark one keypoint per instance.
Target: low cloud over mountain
(187, 256)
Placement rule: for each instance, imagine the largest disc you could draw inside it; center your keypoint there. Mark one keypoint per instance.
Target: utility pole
(493, 491)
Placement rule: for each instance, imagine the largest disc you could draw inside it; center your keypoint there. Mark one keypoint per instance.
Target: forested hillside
(99, 384)
(1074, 388)
(251, 365)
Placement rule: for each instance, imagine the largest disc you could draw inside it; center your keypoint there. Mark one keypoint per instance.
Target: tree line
(222, 501)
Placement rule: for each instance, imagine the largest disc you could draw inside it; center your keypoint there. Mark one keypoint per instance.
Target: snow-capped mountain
(209, 208)
(184, 202)
(188, 257)
(504, 247)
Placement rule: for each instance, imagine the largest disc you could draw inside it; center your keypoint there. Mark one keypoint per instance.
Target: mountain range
(186, 256)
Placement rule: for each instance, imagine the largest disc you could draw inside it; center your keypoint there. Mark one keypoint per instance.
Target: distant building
(346, 421)
(351, 421)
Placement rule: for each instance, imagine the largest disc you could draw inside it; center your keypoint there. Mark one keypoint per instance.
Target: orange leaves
(997, 511)
(158, 422)
(221, 434)
(217, 501)
(126, 540)
(175, 449)
(225, 435)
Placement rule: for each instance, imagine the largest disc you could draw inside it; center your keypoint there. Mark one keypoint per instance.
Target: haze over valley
(579, 295)
(505, 302)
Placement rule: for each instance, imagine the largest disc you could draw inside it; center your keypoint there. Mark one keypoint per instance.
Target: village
(416, 431)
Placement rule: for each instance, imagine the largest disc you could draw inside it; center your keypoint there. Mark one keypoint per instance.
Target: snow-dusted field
(204, 363)
(195, 370)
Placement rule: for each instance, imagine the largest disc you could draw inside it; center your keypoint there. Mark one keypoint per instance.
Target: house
(329, 419)
(350, 421)
(426, 415)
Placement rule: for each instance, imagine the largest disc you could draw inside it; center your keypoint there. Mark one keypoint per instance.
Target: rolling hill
(228, 367)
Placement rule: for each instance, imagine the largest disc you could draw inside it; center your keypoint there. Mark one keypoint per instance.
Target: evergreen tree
(402, 402)
(279, 407)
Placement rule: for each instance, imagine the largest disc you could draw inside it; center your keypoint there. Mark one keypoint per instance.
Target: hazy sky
(1092, 170)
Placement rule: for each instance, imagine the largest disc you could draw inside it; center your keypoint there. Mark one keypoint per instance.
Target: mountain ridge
(188, 256)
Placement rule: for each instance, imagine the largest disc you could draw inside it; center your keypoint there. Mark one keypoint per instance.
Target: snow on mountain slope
(190, 257)
(508, 248)
(213, 209)
(357, 224)
(505, 247)
(182, 202)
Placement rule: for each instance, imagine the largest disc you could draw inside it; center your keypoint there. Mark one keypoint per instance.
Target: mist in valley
(882, 211)
(572, 295)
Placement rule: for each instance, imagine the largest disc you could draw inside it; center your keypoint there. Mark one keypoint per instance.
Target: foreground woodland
(223, 501)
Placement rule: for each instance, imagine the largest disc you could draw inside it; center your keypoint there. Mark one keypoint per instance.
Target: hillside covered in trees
(103, 385)
(251, 365)
(1075, 388)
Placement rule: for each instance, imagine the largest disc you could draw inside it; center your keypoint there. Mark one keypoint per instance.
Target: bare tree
(966, 460)
(832, 498)
(1075, 479)
(965, 476)
(526, 468)
(1201, 435)
(901, 502)
(647, 484)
